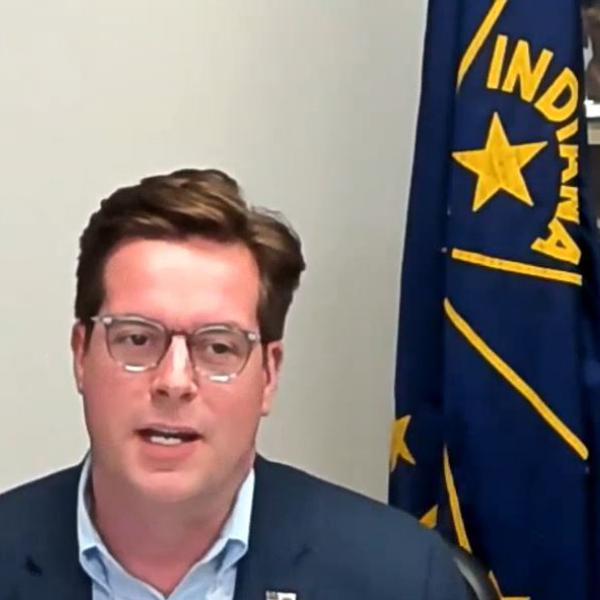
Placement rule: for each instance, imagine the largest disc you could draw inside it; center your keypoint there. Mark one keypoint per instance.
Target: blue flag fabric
(497, 382)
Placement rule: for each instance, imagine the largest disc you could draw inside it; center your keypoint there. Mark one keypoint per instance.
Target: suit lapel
(53, 581)
(280, 557)
(50, 566)
(281, 554)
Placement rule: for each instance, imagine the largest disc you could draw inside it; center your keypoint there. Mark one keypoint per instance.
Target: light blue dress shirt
(211, 578)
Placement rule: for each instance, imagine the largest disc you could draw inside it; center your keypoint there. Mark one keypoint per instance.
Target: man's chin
(169, 487)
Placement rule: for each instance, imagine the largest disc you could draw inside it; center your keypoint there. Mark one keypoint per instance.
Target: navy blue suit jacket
(307, 536)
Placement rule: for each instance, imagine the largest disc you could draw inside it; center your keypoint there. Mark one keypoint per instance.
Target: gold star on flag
(429, 519)
(499, 165)
(399, 449)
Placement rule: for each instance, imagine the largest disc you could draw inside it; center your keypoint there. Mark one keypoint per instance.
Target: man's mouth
(167, 436)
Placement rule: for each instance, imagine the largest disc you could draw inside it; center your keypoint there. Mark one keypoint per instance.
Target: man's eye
(138, 339)
(132, 339)
(217, 348)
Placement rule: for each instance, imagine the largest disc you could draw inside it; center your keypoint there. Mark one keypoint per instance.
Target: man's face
(184, 285)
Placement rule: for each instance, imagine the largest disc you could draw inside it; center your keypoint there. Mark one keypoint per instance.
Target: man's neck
(157, 544)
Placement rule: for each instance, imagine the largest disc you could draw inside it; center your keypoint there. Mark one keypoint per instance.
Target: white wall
(309, 103)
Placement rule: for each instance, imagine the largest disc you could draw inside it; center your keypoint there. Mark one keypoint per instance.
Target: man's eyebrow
(228, 324)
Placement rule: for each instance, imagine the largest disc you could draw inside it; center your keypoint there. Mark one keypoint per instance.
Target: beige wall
(309, 103)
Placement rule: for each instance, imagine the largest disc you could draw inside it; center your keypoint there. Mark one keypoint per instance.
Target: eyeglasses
(219, 352)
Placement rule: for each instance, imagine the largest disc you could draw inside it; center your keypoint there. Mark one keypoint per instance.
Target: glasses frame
(107, 320)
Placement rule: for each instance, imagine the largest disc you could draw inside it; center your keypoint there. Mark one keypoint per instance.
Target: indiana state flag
(497, 378)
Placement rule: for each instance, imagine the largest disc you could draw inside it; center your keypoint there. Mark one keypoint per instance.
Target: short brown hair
(192, 202)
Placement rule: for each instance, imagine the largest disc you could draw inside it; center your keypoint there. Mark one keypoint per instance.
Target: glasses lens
(135, 344)
(220, 351)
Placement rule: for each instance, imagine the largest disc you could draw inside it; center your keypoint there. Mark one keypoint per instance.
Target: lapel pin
(280, 596)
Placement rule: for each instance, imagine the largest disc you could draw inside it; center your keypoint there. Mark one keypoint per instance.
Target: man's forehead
(211, 278)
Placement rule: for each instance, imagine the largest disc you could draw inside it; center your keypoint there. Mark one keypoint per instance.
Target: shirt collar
(234, 536)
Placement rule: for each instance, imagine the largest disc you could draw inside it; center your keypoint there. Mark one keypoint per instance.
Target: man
(182, 292)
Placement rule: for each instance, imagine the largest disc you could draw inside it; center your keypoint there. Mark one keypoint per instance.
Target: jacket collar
(278, 558)
(51, 565)
(281, 552)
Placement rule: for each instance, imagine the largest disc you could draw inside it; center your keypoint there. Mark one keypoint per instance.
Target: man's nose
(175, 377)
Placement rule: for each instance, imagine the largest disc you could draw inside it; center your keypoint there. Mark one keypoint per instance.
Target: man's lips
(159, 430)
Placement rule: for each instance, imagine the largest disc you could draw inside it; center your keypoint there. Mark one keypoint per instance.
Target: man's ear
(272, 360)
(78, 349)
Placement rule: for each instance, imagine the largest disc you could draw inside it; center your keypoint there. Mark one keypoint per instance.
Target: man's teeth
(165, 440)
